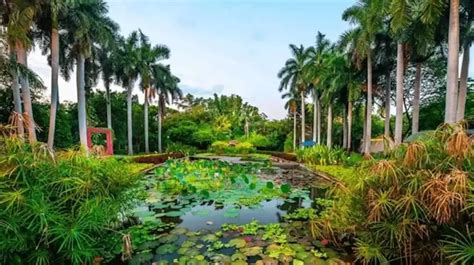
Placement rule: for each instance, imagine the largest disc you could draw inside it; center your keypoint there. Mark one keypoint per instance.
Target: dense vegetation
(58, 208)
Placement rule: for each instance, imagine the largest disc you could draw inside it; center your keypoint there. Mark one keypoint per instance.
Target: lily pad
(285, 188)
(202, 212)
(232, 213)
(269, 185)
(251, 251)
(239, 262)
(187, 244)
(168, 238)
(238, 256)
(166, 249)
(237, 243)
(209, 238)
(179, 231)
(174, 213)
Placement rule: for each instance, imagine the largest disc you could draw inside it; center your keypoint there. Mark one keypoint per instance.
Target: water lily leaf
(232, 213)
(205, 193)
(188, 244)
(166, 249)
(209, 238)
(174, 213)
(238, 256)
(246, 179)
(141, 258)
(179, 231)
(202, 212)
(252, 186)
(168, 238)
(269, 185)
(285, 188)
(239, 262)
(237, 243)
(251, 251)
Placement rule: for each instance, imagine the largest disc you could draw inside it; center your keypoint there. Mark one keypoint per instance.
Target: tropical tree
(106, 61)
(314, 66)
(293, 78)
(149, 55)
(453, 61)
(292, 105)
(368, 17)
(467, 40)
(165, 89)
(21, 17)
(128, 63)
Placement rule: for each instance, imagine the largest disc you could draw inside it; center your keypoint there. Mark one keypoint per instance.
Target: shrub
(244, 148)
(181, 148)
(256, 140)
(224, 147)
(57, 208)
(219, 147)
(321, 155)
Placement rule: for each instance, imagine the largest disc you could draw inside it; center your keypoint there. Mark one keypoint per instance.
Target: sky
(223, 46)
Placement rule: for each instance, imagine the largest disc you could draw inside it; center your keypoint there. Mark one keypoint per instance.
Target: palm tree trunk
(129, 119)
(294, 131)
(17, 97)
(387, 105)
(453, 60)
(368, 132)
(399, 96)
(344, 127)
(318, 104)
(26, 95)
(415, 121)
(302, 120)
(349, 125)
(315, 116)
(108, 102)
(54, 86)
(159, 129)
(145, 113)
(81, 102)
(329, 132)
(463, 84)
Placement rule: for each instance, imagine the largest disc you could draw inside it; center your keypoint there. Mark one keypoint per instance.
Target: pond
(218, 212)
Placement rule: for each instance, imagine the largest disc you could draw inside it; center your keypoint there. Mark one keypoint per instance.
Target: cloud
(202, 91)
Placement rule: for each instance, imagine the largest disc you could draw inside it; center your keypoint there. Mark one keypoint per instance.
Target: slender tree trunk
(108, 102)
(453, 61)
(349, 125)
(17, 97)
(399, 96)
(368, 132)
(159, 128)
(54, 86)
(461, 104)
(26, 95)
(294, 131)
(344, 127)
(247, 127)
(415, 122)
(129, 119)
(315, 116)
(81, 102)
(318, 107)
(364, 127)
(145, 113)
(302, 120)
(387, 105)
(329, 132)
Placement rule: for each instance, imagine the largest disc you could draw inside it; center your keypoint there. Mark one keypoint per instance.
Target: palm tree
(165, 88)
(21, 17)
(453, 61)
(149, 55)
(293, 78)
(87, 24)
(468, 39)
(368, 16)
(128, 59)
(314, 65)
(291, 105)
(106, 60)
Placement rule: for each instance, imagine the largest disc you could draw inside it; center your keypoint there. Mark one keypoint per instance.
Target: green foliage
(404, 203)
(58, 207)
(181, 148)
(231, 148)
(321, 155)
(257, 140)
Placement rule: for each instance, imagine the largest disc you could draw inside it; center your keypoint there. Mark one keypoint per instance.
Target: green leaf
(232, 213)
(285, 188)
(269, 185)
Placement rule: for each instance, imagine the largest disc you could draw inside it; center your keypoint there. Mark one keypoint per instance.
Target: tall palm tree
(87, 25)
(468, 39)
(149, 56)
(165, 89)
(453, 61)
(313, 66)
(292, 105)
(293, 78)
(368, 17)
(20, 21)
(106, 60)
(128, 59)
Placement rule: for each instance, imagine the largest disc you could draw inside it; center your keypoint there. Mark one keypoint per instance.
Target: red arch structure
(108, 136)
